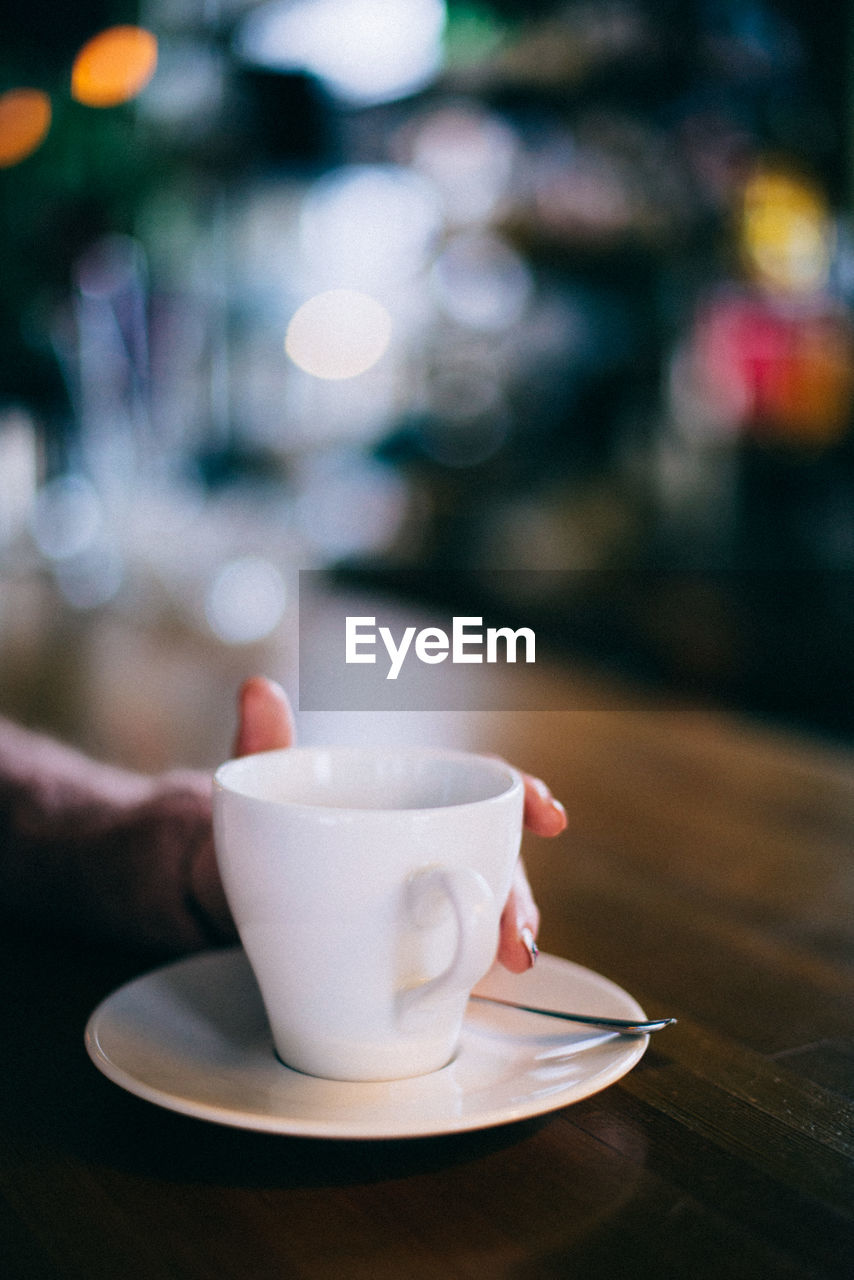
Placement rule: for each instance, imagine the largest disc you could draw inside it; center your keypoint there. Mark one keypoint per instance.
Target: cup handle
(473, 904)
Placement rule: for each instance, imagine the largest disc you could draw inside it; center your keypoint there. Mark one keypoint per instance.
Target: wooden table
(707, 869)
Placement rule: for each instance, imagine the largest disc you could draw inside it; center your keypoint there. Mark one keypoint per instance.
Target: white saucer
(193, 1037)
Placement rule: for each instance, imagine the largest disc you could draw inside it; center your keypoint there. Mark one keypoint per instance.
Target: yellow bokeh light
(114, 66)
(338, 334)
(786, 231)
(25, 116)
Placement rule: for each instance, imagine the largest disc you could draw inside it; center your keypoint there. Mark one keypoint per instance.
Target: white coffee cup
(367, 887)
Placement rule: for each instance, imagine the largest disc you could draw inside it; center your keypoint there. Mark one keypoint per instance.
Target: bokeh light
(338, 334)
(25, 116)
(114, 66)
(349, 504)
(364, 51)
(365, 225)
(788, 373)
(91, 579)
(481, 282)
(246, 600)
(67, 518)
(186, 95)
(786, 231)
(469, 154)
(470, 418)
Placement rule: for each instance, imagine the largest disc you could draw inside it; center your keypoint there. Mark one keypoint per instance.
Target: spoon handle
(623, 1025)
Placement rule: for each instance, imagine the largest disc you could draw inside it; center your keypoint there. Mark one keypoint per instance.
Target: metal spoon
(625, 1026)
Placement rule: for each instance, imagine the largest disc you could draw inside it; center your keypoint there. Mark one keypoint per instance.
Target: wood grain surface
(707, 868)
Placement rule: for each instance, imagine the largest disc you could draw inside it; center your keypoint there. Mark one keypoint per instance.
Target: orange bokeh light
(25, 116)
(114, 66)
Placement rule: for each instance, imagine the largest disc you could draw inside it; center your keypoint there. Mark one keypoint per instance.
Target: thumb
(265, 719)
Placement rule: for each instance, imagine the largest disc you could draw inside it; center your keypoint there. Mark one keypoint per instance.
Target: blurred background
(543, 307)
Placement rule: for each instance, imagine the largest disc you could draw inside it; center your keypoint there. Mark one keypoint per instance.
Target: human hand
(265, 723)
(520, 919)
(117, 856)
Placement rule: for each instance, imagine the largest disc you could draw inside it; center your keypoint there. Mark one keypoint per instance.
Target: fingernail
(531, 947)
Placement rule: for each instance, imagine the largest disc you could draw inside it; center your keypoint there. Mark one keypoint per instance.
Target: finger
(544, 815)
(265, 719)
(520, 916)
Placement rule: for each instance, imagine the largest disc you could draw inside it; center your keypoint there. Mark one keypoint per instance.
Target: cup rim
(514, 779)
